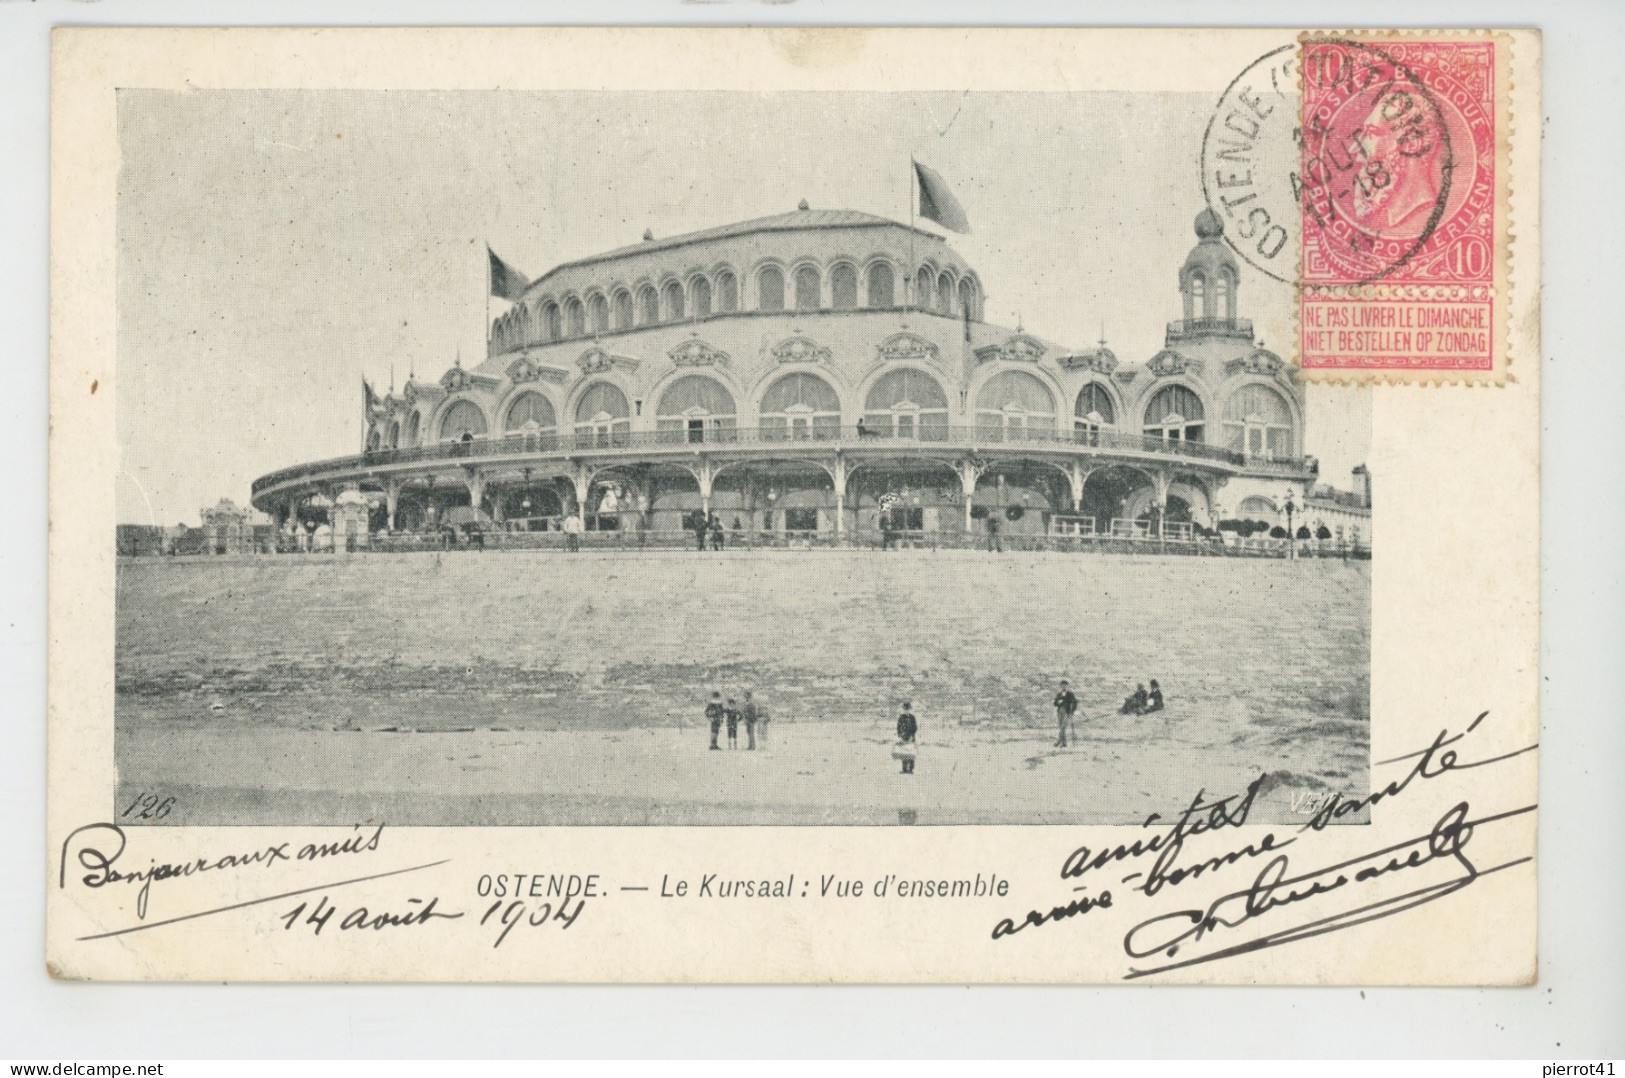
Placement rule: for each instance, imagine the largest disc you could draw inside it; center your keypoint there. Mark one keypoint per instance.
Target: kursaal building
(825, 374)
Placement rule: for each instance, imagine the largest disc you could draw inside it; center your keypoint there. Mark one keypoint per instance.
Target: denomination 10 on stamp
(1405, 237)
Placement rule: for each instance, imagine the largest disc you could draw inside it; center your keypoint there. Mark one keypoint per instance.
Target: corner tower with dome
(815, 376)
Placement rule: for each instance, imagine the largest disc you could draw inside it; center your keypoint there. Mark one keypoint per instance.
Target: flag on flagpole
(369, 394)
(506, 282)
(937, 203)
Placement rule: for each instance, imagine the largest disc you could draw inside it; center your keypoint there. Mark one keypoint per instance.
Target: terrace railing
(550, 443)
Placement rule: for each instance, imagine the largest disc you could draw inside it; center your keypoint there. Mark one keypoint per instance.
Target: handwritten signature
(1277, 886)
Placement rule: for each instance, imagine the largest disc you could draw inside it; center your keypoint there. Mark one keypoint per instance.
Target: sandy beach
(570, 691)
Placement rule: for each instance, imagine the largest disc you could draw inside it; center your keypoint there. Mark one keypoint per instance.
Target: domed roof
(1211, 255)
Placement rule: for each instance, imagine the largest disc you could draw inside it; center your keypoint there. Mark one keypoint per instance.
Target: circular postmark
(1251, 160)
(1388, 156)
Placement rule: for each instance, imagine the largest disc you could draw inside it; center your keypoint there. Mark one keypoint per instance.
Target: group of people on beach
(707, 527)
(730, 712)
(720, 712)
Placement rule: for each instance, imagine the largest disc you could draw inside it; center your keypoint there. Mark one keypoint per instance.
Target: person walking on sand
(1066, 705)
(748, 713)
(713, 715)
(732, 712)
(908, 727)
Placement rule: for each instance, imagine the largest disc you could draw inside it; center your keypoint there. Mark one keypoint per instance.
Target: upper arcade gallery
(840, 332)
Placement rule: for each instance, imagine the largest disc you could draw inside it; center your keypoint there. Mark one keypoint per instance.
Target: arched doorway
(1110, 493)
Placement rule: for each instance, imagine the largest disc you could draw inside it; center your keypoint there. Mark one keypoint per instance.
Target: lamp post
(1291, 536)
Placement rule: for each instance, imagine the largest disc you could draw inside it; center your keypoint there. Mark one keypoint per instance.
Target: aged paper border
(1451, 614)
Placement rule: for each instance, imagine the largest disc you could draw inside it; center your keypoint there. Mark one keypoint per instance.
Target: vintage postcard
(794, 505)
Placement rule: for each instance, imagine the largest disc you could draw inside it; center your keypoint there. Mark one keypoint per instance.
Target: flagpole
(908, 278)
(485, 327)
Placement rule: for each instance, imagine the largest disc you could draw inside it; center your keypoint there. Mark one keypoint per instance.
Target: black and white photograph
(494, 458)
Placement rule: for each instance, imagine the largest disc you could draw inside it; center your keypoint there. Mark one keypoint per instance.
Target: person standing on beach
(700, 529)
(908, 727)
(1066, 705)
(761, 726)
(573, 528)
(732, 713)
(713, 715)
(716, 533)
(748, 713)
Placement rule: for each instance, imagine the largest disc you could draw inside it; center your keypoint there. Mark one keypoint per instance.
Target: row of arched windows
(875, 285)
(904, 403)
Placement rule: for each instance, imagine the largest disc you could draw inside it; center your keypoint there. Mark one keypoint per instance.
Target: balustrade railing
(590, 442)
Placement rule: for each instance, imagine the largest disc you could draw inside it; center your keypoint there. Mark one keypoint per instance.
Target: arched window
(695, 408)
(552, 323)
(1014, 406)
(526, 325)
(922, 289)
(843, 287)
(598, 314)
(801, 405)
(648, 306)
(1258, 422)
(530, 413)
(395, 435)
(575, 318)
(945, 294)
(807, 285)
(1175, 414)
(1094, 410)
(770, 289)
(462, 422)
(1223, 297)
(700, 292)
(602, 416)
(673, 301)
(967, 298)
(727, 292)
(412, 424)
(1198, 295)
(623, 309)
(1257, 508)
(906, 403)
(882, 285)
(374, 439)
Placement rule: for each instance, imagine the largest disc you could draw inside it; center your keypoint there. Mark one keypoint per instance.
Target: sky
(276, 246)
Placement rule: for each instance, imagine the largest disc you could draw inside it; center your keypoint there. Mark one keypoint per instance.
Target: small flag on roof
(937, 203)
(506, 282)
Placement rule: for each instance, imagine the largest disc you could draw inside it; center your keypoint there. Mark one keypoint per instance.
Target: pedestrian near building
(713, 714)
(908, 728)
(748, 713)
(993, 543)
(1066, 705)
(716, 533)
(573, 527)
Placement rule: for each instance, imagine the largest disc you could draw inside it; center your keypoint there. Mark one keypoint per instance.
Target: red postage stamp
(1404, 211)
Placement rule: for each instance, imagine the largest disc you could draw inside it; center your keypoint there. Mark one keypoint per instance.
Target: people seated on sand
(1154, 698)
(1136, 701)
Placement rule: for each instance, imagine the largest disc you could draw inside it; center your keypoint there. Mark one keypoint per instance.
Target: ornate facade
(810, 372)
